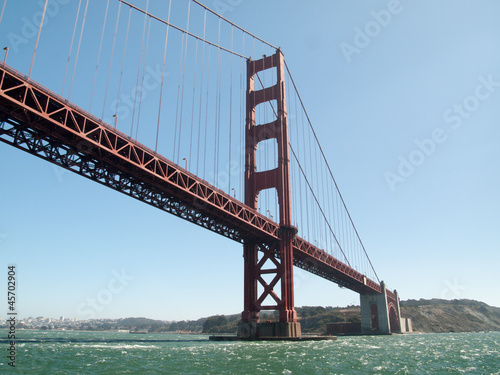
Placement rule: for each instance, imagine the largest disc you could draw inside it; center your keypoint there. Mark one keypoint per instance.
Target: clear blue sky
(404, 96)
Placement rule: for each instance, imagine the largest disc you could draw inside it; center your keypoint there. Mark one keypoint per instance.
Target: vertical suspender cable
(328, 203)
(310, 172)
(331, 175)
(266, 147)
(111, 59)
(206, 116)
(300, 211)
(306, 195)
(139, 68)
(178, 118)
(123, 63)
(324, 184)
(201, 91)
(192, 106)
(178, 99)
(99, 54)
(37, 37)
(275, 143)
(142, 81)
(242, 126)
(162, 75)
(332, 211)
(78, 49)
(317, 217)
(230, 111)
(217, 114)
(293, 176)
(219, 109)
(315, 198)
(183, 81)
(271, 193)
(344, 230)
(341, 216)
(71, 45)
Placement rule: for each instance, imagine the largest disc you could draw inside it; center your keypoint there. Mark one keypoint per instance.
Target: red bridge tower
(277, 254)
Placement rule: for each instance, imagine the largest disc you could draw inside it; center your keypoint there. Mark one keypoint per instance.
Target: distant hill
(429, 316)
(437, 315)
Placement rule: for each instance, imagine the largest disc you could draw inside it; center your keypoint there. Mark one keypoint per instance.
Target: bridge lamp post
(234, 192)
(185, 159)
(270, 215)
(6, 49)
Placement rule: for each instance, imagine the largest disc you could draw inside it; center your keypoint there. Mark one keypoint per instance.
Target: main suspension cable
(183, 31)
(316, 199)
(330, 171)
(3, 9)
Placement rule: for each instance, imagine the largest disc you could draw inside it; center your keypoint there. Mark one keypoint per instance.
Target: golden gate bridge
(180, 108)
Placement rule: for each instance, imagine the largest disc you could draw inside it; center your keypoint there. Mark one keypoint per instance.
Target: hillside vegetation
(433, 315)
(438, 315)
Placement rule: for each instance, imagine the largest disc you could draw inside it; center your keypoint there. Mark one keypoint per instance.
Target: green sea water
(56, 352)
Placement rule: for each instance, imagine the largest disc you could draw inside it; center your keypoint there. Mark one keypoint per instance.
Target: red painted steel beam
(38, 121)
(50, 115)
(277, 178)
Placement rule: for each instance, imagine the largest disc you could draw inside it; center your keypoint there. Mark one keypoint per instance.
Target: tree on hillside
(214, 321)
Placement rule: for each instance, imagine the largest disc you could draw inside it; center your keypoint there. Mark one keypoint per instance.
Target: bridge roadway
(40, 122)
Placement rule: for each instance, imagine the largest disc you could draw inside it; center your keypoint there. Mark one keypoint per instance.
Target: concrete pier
(275, 338)
(406, 325)
(253, 330)
(375, 313)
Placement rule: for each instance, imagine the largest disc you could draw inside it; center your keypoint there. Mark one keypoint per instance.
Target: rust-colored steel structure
(40, 122)
(279, 253)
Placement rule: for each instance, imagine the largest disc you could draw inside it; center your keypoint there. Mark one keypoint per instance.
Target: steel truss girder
(38, 121)
(60, 123)
(96, 170)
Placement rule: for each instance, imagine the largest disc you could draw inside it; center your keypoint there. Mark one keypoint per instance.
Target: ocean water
(56, 352)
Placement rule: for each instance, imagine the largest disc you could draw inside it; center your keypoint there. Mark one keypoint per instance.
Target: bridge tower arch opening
(394, 318)
(380, 313)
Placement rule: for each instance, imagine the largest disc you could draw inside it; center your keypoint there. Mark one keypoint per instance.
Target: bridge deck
(40, 122)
